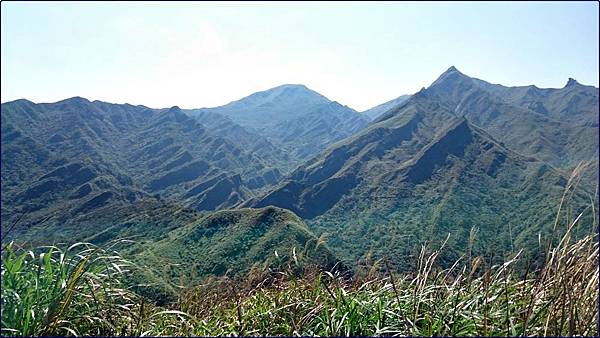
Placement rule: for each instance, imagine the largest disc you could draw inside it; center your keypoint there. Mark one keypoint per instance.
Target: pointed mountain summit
(450, 73)
(417, 173)
(559, 126)
(451, 85)
(571, 82)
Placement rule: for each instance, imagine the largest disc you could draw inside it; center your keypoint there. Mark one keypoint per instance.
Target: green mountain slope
(418, 174)
(233, 241)
(295, 119)
(180, 246)
(559, 126)
(72, 156)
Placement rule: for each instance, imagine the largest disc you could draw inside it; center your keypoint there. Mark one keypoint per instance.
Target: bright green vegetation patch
(77, 291)
(233, 242)
(179, 247)
(80, 291)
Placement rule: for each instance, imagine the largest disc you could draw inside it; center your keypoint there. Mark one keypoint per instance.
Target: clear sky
(360, 54)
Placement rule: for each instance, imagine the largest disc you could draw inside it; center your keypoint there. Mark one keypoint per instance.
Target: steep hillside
(375, 112)
(376, 150)
(417, 175)
(245, 138)
(298, 121)
(309, 134)
(71, 156)
(559, 126)
(233, 241)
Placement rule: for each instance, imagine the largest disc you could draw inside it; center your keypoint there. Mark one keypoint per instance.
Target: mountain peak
(281, 92)
(75, 99)
(174, 109)
(292, 86)
(572, 82)
(293, 90)
(452, 69)
(283, 95)
(451, 74)
(19, 101)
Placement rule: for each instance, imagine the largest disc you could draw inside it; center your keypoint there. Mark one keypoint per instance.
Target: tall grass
(559, 299)
(81, 291)
(471, 298)
(77, 291)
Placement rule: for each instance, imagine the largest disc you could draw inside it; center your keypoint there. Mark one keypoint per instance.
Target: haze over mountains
(298, 120)
(559, 126)
(460, 154)
(378, 110)
(74, 155)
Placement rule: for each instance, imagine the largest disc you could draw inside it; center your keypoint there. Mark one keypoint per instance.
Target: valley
(285, 169)
(458, 156)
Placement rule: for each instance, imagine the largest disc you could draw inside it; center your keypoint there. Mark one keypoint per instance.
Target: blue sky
(360, 54)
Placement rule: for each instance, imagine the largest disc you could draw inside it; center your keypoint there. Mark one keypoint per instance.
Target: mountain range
(68, 157)
(559, 126)
(223, 188)
(379, 110)
(296, 119)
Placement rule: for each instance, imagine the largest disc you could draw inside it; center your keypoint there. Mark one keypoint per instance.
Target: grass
(79, 291)
(76, 291)
(82, 291)
(559, 299)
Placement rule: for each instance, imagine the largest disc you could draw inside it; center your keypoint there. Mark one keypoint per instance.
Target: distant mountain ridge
(559, 126)
(294, 118)
(426, 168)
(66, 157)
(378, 110)
(461, 154)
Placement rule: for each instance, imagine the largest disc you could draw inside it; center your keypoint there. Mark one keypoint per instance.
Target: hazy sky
(360, 54)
